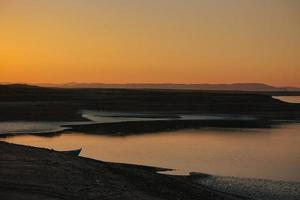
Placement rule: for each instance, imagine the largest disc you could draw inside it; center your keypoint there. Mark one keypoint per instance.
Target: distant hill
(258, 87)
(20, 102)
(226, 87)
(17, 85)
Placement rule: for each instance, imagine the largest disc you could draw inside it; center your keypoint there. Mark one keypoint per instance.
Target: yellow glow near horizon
(126, 41)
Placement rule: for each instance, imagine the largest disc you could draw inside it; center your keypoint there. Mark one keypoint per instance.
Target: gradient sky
(130, 41)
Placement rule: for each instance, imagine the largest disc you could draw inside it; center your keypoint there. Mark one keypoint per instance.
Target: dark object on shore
(74, 152)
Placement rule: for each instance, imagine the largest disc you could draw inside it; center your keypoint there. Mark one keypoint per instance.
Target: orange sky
(130, 41)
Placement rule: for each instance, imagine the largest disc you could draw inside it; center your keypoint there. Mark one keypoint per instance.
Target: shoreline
(253, 188)
(37, 173)
(128, 128)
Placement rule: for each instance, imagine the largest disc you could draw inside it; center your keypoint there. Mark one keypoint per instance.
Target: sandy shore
(34, 173)
(257, 189)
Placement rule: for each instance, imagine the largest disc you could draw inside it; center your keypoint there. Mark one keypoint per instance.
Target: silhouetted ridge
(217, 87)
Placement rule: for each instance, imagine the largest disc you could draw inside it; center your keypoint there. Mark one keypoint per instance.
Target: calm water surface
(290, 99)
(29, 127)
(260, 153)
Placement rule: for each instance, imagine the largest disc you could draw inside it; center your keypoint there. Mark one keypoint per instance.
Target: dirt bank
(34, 173)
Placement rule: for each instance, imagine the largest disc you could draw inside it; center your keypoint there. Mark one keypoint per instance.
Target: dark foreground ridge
(35, 174)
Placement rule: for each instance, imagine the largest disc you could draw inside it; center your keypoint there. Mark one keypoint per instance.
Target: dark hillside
(30, 102)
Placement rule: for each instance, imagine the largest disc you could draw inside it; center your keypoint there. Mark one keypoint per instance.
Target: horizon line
(148, 83)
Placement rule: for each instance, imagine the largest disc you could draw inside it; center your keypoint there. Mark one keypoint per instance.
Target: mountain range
(218, 87)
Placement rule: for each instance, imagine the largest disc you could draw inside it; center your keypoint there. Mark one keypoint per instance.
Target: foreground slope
(33, 173)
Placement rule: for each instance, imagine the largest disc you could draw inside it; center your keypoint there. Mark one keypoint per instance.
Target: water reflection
(260, 153)
(289, 99)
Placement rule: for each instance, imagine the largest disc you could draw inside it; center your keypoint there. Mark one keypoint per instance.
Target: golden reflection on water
(290, 99)
(261, 153)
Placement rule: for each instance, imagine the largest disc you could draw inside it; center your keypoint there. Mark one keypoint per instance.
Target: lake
(290, 99)
(259, 153)
(272, 153)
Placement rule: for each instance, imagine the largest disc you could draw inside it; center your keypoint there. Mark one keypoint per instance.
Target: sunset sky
(150, 41)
